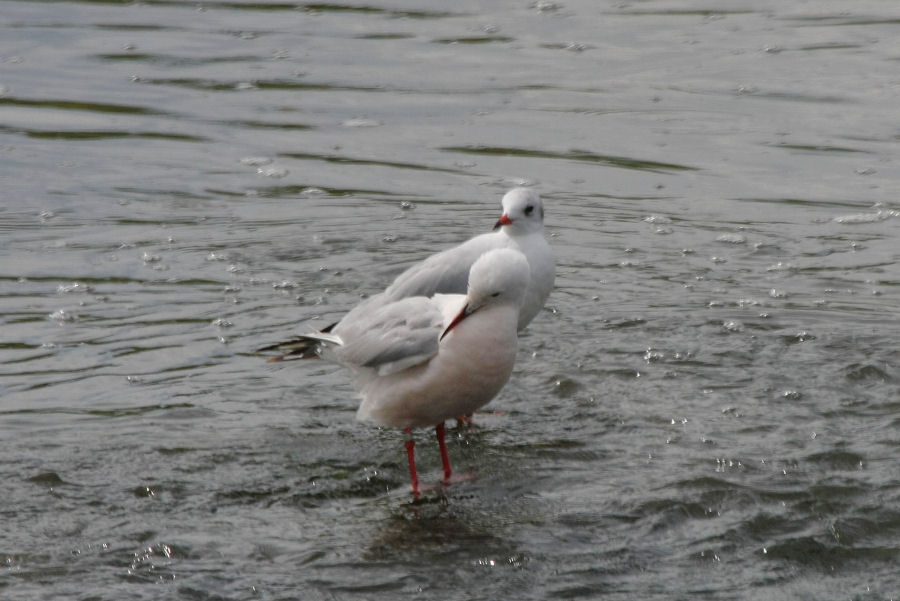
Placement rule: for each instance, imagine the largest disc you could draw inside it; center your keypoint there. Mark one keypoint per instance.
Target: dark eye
(529, 209)
(495, 295)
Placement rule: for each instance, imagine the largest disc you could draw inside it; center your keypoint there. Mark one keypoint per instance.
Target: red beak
(462, 315)
(504, 220)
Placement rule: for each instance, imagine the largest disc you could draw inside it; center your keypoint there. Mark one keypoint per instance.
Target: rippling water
(707, 408)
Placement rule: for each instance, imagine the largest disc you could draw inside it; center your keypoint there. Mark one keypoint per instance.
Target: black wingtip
(295, 348)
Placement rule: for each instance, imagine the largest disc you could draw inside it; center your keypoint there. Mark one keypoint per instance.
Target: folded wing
(446, 272)
(392, 337)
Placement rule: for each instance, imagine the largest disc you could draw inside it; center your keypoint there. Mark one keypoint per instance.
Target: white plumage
(520, 227)
(418, 361)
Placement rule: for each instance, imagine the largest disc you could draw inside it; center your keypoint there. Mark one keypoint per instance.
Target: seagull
(419, 361)
(520, 227)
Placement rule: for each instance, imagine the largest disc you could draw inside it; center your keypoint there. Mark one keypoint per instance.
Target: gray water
(708, 407)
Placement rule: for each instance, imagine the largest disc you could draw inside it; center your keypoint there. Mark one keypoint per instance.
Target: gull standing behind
(521, 227)
(419, 361)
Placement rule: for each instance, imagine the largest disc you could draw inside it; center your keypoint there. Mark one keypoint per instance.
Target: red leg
(410, 453)
(441, 432)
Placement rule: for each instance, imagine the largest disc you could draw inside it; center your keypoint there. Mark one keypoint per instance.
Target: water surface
(706, 409)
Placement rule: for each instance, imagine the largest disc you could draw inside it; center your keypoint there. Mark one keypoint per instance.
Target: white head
(498, 277)
(523, 212)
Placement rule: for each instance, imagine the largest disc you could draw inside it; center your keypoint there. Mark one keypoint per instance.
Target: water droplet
(256, 161)
(651, 356)
(74, 287)
(779, 266)
(150, 258)
(733, 325)
(284, 285)
(732, 239)
(273, 172)
(222, 323)
(361, 122)
(61, 315)
(776, 293)
(546, 6)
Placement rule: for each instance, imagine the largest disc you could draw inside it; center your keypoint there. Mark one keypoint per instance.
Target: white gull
(419, 361)
(521, 227)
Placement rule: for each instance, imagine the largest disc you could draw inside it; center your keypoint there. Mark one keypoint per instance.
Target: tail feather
(299, 347)
(305, 346)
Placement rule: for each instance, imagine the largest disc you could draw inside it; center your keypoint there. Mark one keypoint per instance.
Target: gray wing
(446, 272)
(391, 337)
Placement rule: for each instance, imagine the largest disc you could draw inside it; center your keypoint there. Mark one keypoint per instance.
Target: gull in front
(419, 361)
